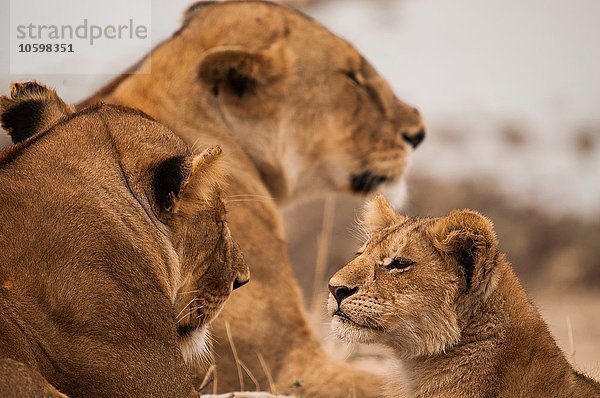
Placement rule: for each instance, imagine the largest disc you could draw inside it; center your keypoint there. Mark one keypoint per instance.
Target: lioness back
(441, 295)
(114, 254)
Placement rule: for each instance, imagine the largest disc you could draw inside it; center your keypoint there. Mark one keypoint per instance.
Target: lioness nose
(341, 292)
(414, 139)
(239, 282)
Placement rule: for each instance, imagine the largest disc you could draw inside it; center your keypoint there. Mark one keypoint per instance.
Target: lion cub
(441, 295)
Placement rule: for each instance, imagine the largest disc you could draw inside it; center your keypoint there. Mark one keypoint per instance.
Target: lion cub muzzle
(341, 292)
(414, 139)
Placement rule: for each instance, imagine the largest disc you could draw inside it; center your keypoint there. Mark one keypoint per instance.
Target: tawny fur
(101, 266)
(452, 310)
(18, 380)
(297, 111)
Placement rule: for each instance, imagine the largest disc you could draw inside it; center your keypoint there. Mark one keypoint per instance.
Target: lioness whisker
(190, 291)
(244, 200)
(189, 314)
(248, 196)
(185, 307)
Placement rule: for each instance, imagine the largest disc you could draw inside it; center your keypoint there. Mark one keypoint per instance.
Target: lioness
(299, 112)
(441, 295)
(114, 251)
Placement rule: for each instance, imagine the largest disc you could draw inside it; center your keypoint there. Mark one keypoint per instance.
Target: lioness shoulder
(442, 296)
(114, 253)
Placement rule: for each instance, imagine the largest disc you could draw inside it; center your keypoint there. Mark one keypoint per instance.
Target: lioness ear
(31, 109)
(469, 239)
(240, 72)
(195, 8)
(378, 213)
(192, 177)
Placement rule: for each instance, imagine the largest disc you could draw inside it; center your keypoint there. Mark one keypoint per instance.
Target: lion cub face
(412, 279)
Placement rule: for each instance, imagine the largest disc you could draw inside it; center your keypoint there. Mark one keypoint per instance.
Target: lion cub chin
(441, 295)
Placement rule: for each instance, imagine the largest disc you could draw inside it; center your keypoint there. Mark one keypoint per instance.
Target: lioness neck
(505, 350)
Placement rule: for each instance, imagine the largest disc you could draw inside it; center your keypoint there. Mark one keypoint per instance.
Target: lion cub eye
(397, 263)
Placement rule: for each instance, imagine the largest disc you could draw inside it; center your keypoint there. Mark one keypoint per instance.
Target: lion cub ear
(378, 213)
(31, 109)
(193, 177)
(469, 239)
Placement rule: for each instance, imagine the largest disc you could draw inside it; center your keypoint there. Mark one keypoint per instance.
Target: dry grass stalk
(235, 356)
(208, 377)
(571, 342)
(323, 245)
(249, 373)
(267, 372)
(215, 382)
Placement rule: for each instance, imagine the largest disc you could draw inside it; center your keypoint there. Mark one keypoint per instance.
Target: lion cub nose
(414, 139)
(341, 292)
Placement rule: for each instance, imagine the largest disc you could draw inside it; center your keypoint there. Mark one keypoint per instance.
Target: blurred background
(510, 91)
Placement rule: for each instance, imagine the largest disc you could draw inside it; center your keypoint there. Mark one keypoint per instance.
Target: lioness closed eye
(441, 295)
(114, 251)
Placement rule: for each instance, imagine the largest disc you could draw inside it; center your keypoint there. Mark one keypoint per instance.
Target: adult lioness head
(307, 108)
(114, 249)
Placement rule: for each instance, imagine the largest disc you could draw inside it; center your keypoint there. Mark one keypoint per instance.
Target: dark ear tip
(21, 92)
(20, 119)
(31, 108)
